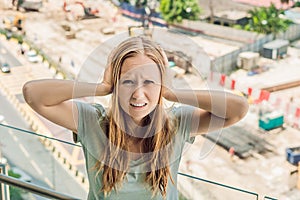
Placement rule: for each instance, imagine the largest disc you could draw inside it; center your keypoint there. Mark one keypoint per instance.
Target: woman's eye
(148, 81)
(127, 82)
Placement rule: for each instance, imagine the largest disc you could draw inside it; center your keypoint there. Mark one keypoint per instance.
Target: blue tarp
(155, 18)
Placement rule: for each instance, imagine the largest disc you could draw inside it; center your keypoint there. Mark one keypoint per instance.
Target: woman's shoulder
(86, 109)
(92, 121)
(101, 111)
(184, 115)
(86, 106)
(182, 110)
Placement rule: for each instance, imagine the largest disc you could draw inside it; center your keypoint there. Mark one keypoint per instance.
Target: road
(5, 54)
(265, 175)
(27, 153)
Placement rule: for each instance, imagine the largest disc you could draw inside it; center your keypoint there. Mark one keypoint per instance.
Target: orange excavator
(78, 10)
(14, 23)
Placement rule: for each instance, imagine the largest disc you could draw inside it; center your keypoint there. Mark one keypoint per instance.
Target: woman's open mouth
(138, 105)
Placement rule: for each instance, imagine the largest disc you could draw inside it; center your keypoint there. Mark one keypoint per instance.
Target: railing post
(298, 182)
(42, 191)
(4, 189)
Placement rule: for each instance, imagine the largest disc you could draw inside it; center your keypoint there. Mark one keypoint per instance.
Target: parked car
(32, 5)
(3, 160)
(32, 56)
(23, 175)
(5, 67)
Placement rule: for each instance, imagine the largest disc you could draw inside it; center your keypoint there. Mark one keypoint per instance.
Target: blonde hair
(114, 163)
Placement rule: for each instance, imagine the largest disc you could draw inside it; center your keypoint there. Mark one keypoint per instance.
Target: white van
(32, 56)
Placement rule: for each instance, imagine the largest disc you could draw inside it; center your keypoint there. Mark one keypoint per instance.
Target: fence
(227, 63)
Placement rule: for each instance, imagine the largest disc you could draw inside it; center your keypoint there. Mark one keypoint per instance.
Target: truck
(30, 5)
(271, 120)
(293, 155)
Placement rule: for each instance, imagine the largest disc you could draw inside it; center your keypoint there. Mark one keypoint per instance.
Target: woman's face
(139, 86)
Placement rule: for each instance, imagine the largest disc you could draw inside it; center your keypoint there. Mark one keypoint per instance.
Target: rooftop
(267, 3)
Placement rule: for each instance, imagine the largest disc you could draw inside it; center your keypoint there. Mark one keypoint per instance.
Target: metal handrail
(219, 184)
(34, 188)
(179, 173)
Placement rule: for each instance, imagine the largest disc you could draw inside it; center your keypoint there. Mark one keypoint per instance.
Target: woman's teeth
(138, 104)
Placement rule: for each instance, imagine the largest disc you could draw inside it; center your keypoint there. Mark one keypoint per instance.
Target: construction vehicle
(293, 155)
(14, 23)
(76, 10)
(30, 5)
(271, 120)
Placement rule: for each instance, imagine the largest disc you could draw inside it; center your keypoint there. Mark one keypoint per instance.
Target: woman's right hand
(107, 82)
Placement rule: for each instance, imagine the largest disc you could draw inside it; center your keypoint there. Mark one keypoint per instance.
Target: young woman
(133, 148)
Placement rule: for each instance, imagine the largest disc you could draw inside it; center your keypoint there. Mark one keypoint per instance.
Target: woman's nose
(138, 92)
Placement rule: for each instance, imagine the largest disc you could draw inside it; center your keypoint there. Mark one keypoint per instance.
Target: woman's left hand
(167, 86)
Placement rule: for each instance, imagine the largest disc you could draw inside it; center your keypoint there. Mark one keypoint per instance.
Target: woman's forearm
(219, 103)
(48, 92)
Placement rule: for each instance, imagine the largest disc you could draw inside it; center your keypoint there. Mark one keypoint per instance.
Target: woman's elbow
(237, 109)
(27, 93)
(243, 108)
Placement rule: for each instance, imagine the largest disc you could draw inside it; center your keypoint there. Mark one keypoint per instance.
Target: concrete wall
(251, 41)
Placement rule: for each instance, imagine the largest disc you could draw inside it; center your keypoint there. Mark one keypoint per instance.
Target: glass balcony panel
(39, 161)
(205, 189)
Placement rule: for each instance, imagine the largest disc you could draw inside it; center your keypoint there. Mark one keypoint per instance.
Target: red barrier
(232, 84)
(263, 95)
(297, 114)
(222, 80)
(249, 92)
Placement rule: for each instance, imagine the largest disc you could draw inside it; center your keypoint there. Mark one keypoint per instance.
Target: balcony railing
(223, 191)
(206, 185)
(45, 192)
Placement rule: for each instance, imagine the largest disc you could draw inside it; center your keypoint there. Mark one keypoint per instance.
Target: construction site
(260, 154)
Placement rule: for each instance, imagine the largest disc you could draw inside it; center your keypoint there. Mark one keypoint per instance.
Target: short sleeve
(184, 115)
(86, 113)
(90, 132)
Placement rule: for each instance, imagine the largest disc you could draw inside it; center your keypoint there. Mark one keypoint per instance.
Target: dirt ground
(266, 174)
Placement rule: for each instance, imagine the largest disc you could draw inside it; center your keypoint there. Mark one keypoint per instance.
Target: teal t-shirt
(91, 136)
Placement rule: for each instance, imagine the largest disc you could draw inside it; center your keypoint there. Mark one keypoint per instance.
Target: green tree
(177, 10)
(297, 4)
(15, 192)
(267, 20)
